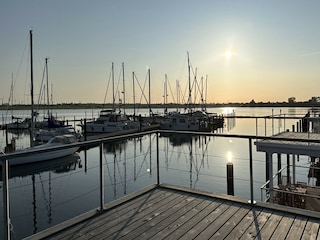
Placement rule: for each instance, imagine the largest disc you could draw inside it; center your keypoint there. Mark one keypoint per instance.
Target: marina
(145, 120)
(196, 162)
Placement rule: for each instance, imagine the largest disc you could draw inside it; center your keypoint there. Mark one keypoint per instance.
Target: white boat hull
(30, 155)
(44, 156)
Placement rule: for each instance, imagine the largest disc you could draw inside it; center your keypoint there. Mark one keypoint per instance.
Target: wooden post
(279, 167)
(230, 179)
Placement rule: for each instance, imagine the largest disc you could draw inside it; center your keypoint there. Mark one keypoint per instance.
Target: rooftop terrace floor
(170, 212)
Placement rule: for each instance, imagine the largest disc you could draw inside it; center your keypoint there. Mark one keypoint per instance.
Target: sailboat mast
(165, 100)
(178, 93)
(150, 111)
(48, 101)
(32, 101)
(189, 80)
(124, 92)
(205, 96)
(113, 98)
(11, 94)
(134, 96)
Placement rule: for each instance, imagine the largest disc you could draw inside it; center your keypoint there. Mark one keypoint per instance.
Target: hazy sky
(274, 48)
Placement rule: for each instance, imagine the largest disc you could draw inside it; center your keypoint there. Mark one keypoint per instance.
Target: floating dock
(288, 191)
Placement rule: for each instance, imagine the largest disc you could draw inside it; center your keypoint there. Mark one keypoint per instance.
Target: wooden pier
(170, 212)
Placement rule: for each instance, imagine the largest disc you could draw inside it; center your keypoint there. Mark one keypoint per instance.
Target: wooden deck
(168, 212)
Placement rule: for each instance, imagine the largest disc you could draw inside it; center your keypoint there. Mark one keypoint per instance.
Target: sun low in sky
(233, 44)
(228, 54)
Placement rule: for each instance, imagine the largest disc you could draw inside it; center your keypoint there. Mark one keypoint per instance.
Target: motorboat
(109, 122)
(185, 122)
(32, 154)
(44, 135)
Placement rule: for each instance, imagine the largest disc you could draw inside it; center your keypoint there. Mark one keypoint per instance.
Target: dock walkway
(170, 212)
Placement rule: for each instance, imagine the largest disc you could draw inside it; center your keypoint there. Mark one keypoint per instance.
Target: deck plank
(253, 231)
(155, 218)
(168, 213)
(115, 215)
(213, 211)
(212, 224)
(297, 228)
(245, 224)
(167, 218)
(271, 225)
(232, 223)
(139, 218)
(311, 230)
(283, 227)
(181, 219)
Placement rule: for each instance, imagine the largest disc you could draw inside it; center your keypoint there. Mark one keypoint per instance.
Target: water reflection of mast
(134, 159)
(116, 150)
(125, 172)
(202, 143)
(47, 201)
(114, 174)
(148, 165)
(191, 160)
(150, 158)
(166, 152)
(49, 205)
(35, 228)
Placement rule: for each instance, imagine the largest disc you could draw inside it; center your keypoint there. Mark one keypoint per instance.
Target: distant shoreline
(156, 106)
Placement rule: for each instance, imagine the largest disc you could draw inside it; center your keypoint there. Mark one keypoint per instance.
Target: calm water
(44, 195)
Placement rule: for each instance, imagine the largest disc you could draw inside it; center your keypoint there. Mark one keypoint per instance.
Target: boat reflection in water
(181, 138)
(58, 165)
(115, 146)
(189, 157)
(35, 204)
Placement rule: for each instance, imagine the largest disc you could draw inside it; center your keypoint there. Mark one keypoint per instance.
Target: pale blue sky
(275, 47)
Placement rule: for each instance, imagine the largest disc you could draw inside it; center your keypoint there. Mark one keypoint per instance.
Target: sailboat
(31, 155)
(109, 121)
(192, 120)
(17, 123)
(50, 127)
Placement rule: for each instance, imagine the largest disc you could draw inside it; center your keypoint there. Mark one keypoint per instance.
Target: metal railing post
(6, 209)
(158, 167)
(251, 201)
(101, 176)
